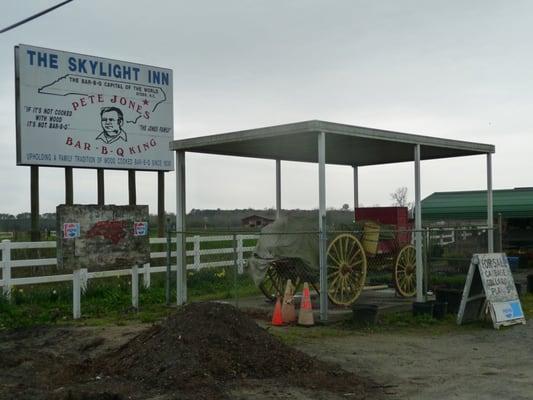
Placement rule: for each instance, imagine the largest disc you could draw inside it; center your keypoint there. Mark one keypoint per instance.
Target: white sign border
(487, 307)
(19, 162)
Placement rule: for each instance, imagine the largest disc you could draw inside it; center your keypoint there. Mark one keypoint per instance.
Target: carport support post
(322, 241)
(420, 296)
(278, 188)
(490, 216)
(181, 261)
(355, 188)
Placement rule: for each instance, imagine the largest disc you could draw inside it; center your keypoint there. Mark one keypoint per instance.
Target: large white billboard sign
(75, 110)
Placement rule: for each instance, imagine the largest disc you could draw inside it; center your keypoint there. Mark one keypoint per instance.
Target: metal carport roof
(345, 144)
(325, 143)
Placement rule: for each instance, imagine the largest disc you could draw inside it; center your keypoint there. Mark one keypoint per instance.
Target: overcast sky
(453, 69)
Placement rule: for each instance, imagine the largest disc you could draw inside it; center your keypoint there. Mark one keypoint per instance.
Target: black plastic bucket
(440, 309)
(530, 283)
(451, 296)
(423, 308)
(365, 314)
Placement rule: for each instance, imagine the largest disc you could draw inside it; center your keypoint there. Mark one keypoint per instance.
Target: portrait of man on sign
(112, 120)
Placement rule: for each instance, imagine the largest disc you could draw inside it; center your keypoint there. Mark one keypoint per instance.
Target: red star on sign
(145, 102)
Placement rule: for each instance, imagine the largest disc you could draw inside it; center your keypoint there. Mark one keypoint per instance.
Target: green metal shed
(472, 205)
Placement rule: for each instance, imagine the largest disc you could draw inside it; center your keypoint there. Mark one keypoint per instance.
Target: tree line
(208, 219)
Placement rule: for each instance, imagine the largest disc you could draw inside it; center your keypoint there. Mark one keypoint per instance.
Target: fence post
(167, 277)
(240, 255)
(6, 268)
(76, 294)
(84, 278)
(426, 262)
(235, 267)
(196, 243)
(135, 286)
(146, 275)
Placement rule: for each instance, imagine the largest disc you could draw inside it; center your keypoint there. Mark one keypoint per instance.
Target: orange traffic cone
(305, 317)
(288, 312)
(277, 319)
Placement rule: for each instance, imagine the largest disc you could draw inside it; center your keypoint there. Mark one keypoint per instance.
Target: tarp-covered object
(286, 237)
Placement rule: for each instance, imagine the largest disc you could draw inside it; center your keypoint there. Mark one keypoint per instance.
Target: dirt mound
(205, 347)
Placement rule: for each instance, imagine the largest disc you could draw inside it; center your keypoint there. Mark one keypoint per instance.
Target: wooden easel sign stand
(490, 287)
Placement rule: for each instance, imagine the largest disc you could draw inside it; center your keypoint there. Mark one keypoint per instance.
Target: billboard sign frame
(81, 111)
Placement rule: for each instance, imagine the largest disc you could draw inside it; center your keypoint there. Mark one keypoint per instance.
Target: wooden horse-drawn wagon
(380, 241)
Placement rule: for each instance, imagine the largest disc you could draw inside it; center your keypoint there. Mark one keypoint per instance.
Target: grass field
(109, 300)
(393, 324)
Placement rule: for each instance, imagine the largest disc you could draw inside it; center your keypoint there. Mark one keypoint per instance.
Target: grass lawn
(393, 323)
(109, 300)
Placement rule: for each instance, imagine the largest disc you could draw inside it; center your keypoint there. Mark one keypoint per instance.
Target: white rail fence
(81, 277)
(446, 236)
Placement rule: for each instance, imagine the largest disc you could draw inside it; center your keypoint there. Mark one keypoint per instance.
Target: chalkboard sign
(490, 288)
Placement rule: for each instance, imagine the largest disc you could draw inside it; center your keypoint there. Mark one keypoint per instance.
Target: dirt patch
(466, 364)
(203, 351)
(206, 347)
(45, 362)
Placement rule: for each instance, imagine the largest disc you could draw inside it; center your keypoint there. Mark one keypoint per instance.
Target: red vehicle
(392, 219)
